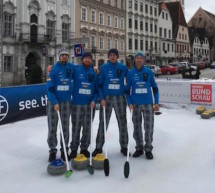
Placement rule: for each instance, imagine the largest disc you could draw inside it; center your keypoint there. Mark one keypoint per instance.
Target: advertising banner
(22, 102)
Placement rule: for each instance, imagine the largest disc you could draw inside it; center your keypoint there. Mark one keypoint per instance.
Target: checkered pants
(81, 116)
(148, 116)
(119, 105)
(53, 124)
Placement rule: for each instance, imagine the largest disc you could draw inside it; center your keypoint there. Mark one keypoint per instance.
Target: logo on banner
(201, 93)
(3, 108)
(78, 50)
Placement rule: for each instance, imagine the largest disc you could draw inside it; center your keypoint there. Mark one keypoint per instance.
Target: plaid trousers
(81, 117)
(119, 105)
(148, 116)
(52, 118)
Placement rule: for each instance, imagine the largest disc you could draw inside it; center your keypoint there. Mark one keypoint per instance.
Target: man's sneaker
(52, 156)
(96, 151)
(85, 152)
(138, 153)
(73, 154)
(124, 151)
(149, 155)
(63, 156)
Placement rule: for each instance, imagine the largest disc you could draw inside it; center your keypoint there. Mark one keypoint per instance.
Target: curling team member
(85, 93)
(59, 87)
(139, 96)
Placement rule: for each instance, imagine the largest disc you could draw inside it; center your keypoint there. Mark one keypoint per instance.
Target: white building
(167, 44)
(142, 29)
(34, 31)
(1, 40)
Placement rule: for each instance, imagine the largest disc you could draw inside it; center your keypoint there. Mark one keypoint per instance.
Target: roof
(177, 16)
(197, 32)
(162, 6)
(212, 16)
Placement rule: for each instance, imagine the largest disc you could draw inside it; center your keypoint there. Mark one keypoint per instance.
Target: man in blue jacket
(111, 93)
(59, 87)
(140, 80)
(85, 93)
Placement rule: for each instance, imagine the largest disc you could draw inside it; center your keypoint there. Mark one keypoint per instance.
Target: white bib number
(62, 88)
(85, 91)
(114, 86)
(141, 91)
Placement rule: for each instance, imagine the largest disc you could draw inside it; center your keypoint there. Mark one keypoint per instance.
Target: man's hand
(56, 107)
(92, 104)
(157, 107)
(96, 69)
(103, 103)
(49, 68)
(131, 107)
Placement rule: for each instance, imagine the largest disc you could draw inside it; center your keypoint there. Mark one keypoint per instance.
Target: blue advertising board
(22, 102)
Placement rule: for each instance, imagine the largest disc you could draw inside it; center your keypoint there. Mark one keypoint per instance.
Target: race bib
(85, 91)
(63, 88)
(141, 91)
(114, 86)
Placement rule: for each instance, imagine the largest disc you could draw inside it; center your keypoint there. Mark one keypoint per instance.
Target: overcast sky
(191, 6)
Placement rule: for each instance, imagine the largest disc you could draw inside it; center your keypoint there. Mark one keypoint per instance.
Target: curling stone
(57, 167)
(200, 110)
(80, 162)
(98, 161)
(206, 115)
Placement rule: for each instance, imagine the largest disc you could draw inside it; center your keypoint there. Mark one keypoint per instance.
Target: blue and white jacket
(85, 89)
(59, 82)
(111, 79)
(138, 88)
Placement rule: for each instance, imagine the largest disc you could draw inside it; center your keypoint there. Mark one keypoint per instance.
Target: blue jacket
(59, 83)
(111, 79)
(85, 88)
(138, 88)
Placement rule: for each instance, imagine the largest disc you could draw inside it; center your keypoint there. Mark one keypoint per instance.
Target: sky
(191, 6)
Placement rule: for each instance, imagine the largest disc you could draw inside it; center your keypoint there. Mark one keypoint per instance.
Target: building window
(151, 27)
(93, 16)
(168, 47)
(122, 23)
(93, 41)
(141, 25)
(141, 7)
(165, 33)
(172, 47)
(130, 4)
(84, 14)
(101, 43)
(101, 18)
(109, 2)
(65, 32)
(136, 5)
(136, 44)
(130, 23)
(135, 24)
(155, 28)
(155, 11)
(162, 15)
(130, 44)
(122, 45)
(166, 16)
(160, 32)
(164, 47)
(116, 22)
(8, 64)
(146, 8)
(109, 44)
(109, 20)
(8, 24)
(147, 48)
(115, 3)
(169, 34)
(50, 26)
(146, 27)
(151, 10)
(116, 43)
(141, 45)
(156, 46)
(65, 2)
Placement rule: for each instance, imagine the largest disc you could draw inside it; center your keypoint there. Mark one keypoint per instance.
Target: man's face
(87, 61)
(139, 62)
(113, 58)
(64, 58)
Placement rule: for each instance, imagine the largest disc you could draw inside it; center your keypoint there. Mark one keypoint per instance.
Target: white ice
(184, 158)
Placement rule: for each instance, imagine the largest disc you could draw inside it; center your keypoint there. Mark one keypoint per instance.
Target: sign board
(78, 50)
